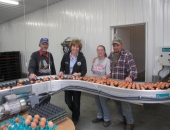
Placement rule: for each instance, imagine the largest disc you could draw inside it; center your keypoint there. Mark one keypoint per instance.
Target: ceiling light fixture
(10, 2)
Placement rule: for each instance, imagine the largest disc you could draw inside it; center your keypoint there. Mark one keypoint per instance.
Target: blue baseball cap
(44, 40)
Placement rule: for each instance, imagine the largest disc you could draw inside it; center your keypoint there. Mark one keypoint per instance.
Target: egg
(20, 81)
(42, 124)
(4, 88)
(29, 117)
(36, 81)
(37, 116)
(50, 124)
(43, 120)
(33, 125)
(16, 120)
(2, 127)
(167, 85)
(35, 121)
(7, 125)
(44, 79)
(31, 82)
(5, 128)
(27, 121)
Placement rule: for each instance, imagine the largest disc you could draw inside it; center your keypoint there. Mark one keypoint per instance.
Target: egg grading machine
(54, 85)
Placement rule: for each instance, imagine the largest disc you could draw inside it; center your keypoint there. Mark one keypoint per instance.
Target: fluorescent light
(10, 2)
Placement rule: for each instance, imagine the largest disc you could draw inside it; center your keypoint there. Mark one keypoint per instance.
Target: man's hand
(94, 59)
(76, 74)
(104, 77)
(60, 74)
(32, 76)
(128, 79)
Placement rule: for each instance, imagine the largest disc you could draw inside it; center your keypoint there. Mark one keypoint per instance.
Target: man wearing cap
(122, 67)
(40, 60)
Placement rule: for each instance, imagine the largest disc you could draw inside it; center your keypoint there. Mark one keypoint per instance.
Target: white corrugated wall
(89, 20)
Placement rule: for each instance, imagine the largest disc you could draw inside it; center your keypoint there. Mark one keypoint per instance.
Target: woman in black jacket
(73, 63)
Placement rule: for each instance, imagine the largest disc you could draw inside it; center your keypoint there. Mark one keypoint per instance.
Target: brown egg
(4, 88)
(35, 120)
(31, 82)
(50, 124)
(8, 87)
(29, 117)
(36, 81)
(5, 128)
(2, 127)
(42, 124)
(167, 85)
(43, 120)
(20, 81)
(7, 125)
(16, 119)
(33, 125)
(45, 79)
(27, 121)
(52, 78)
(37, 116)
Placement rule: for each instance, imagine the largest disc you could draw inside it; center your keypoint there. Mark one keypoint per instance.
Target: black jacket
(39, 65)
(79, 67)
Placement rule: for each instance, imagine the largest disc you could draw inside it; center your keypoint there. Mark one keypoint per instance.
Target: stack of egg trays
(50, 111)
(22, 126)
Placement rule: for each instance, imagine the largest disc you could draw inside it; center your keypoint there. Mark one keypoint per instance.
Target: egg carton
(12, 125)
(50, 111)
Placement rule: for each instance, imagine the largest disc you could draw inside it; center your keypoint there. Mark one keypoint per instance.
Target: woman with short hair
(73, 63)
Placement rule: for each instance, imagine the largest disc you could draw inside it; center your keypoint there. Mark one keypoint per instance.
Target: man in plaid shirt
(122, 67)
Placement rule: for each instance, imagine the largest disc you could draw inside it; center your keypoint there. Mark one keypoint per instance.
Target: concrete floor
(147, 117)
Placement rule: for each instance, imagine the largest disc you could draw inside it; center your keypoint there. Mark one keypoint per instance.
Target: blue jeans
(124, 110)
(102, 108)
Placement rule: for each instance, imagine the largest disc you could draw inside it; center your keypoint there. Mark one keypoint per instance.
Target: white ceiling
(9, 12)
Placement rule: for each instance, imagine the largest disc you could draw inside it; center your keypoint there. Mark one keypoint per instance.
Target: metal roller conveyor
(56, 86)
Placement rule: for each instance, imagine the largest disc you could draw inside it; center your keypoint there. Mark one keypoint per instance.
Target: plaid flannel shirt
(124, 66)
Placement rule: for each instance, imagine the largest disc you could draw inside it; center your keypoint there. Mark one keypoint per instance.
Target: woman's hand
(32, 76)
(60, 74)
(76, 74)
